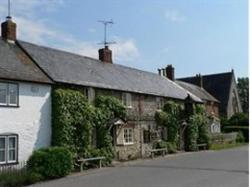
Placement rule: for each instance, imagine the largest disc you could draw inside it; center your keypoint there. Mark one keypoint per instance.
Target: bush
(239, 119)
(53, 162)
(16, 178)
(240, 137)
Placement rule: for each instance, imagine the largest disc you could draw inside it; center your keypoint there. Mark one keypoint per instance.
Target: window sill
(9, 164)
(10, 106)
(132, 143)
(128, 107)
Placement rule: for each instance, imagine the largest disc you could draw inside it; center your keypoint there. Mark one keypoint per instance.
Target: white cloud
(34, 29)
(173, 16)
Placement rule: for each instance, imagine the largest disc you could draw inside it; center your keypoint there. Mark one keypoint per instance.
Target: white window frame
(131, 135)
(15, 149)
(8, 94)
(4, 137)
(127, 100)
(7, 149)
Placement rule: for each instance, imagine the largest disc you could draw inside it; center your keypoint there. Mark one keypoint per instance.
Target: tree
(244, 93)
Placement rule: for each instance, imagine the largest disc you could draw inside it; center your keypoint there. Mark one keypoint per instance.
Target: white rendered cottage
(25, 101)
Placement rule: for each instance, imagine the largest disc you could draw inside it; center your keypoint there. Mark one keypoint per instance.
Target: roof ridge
(206, 75)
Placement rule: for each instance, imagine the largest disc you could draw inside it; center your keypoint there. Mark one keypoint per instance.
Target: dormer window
(8, 94)
(127, 100)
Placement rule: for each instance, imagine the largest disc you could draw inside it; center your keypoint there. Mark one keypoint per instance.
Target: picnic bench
(203, 145)
(84, 160)
(163, 151)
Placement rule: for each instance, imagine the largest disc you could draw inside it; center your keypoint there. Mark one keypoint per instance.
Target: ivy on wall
(170, 117)
(74, 121)
(197, 130)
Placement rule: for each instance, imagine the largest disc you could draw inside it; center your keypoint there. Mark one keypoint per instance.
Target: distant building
(223, 87)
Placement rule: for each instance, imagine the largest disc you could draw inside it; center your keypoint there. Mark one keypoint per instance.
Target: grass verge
(226, 146)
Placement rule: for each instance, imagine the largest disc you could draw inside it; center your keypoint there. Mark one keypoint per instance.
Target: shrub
(239, 119)
(53, 162)
(16, 178)
(240, 137)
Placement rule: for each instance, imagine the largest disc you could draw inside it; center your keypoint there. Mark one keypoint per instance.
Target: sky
(195, 36)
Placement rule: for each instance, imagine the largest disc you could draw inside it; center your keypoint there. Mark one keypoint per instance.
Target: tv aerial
(105, 24)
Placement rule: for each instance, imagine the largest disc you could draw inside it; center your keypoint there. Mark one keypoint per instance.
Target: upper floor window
(159, 102)
(127, 100)
(8, 94)
(8, 149)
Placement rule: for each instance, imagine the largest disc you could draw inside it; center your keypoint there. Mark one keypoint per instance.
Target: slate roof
(65, 67)
(198, 91)
(217, 85)
(16, 65)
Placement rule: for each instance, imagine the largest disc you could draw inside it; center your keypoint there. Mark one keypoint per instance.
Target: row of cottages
(28, 73)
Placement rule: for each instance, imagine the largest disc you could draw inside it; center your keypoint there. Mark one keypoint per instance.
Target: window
(8, 94)
(159, 102)
(128, 136)
(127, 100)
(146, 136)
(8, 149)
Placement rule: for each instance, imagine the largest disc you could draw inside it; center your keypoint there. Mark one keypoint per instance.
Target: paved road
(227, 168)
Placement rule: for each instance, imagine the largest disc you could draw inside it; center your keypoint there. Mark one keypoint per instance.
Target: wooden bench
(162, 150)
(204, 145)
(84, 160)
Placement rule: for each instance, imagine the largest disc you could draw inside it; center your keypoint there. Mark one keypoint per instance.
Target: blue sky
(196, 36)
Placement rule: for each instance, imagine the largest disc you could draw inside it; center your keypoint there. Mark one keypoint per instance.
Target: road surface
(226, 168)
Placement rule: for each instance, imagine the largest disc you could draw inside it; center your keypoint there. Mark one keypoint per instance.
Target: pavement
(225, 168)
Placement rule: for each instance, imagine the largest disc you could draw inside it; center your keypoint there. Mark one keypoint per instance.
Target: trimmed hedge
(53, 162)
(17, 178)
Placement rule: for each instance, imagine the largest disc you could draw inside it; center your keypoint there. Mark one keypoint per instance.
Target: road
(226, 168)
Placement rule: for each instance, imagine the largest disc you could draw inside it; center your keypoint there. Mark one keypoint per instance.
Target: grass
(226, 146)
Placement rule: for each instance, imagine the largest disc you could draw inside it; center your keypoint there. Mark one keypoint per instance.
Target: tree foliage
(243, 90)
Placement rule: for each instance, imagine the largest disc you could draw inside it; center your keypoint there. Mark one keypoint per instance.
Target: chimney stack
(199, 80)
(105, 55)
(9, 30)
(170, 72)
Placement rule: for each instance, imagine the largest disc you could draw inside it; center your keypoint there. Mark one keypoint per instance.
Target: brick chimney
(199, 80)
(105, 55)
(9, 30)
(170, 72)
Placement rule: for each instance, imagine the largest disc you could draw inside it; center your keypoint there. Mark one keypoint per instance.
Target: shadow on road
(190, 168)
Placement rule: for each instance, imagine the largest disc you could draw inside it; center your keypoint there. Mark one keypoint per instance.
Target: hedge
(53, 162)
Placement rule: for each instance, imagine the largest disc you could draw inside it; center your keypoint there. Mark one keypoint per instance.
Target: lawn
(226, 146)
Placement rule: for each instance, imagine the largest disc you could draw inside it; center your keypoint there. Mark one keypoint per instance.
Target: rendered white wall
(31, 120)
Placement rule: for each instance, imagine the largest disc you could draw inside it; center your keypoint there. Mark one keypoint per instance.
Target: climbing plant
(170, 117)
(197, 130)
(74, 121)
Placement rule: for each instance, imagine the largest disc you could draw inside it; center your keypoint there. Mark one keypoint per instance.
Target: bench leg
(81, 167)
(100, 163)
